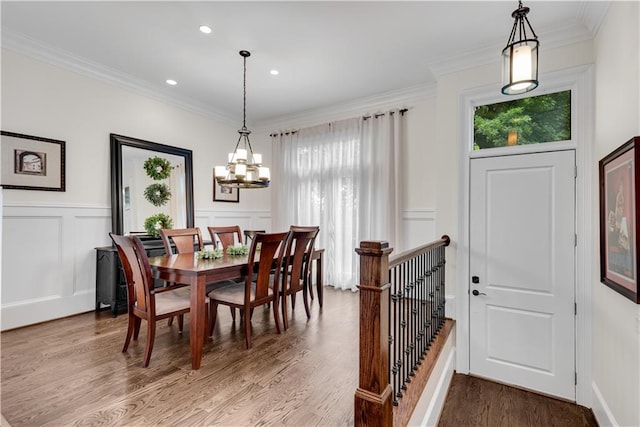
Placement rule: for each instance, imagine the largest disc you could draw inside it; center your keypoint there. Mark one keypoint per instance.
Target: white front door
(522, 271)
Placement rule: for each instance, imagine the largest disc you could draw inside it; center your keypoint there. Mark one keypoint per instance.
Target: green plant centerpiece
(210, 254)
(154, 223)
(158, 168)
(157, 194)
(238, 249)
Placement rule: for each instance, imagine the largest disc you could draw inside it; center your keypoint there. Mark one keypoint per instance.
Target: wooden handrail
(374, 396)
(412, 253)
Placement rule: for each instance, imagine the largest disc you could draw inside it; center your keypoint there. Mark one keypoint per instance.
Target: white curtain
(342, 176)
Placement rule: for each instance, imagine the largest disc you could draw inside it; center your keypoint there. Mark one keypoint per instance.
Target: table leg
(197, 320)
(319, 278)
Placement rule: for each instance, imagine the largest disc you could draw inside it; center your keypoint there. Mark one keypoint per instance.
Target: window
(533, 120)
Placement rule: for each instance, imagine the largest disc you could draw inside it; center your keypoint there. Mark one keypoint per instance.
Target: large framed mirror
(149, 180)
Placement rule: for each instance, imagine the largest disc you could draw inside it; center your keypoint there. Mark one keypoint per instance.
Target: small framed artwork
(31, 162)
(225, 194)
(619, 234)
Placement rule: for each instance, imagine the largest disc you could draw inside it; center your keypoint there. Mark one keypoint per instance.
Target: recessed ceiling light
(171, 82)
(205, 29)
(274, 72)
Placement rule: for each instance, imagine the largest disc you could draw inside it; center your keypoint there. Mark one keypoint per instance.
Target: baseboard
(601, 410)
(442, 388)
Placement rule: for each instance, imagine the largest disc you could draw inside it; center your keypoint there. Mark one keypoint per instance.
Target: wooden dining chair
(145, 302)
(250, 234)
(308, 228)
(263, 290)
(297, 278)
(185, 240)
(226, 235)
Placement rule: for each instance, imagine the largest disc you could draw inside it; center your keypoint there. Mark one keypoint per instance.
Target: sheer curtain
(342, 176)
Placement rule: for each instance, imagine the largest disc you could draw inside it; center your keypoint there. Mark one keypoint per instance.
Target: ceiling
(328, 53)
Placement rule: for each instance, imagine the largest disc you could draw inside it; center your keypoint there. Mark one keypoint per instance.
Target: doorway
(522, 266)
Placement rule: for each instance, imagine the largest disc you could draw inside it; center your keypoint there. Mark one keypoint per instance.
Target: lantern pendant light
(244, 168)
(520, 57)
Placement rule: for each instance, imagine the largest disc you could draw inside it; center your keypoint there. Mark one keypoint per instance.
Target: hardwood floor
(473, 401)
(72, 372)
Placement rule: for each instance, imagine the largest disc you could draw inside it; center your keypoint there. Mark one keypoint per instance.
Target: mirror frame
(117, 202)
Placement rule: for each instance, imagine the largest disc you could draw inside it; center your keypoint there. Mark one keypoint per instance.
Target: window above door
(533, 120)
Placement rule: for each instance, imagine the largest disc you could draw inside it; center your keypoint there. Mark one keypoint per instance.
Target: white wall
(616, 321)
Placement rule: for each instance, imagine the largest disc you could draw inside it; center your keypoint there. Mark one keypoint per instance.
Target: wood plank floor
(71, 372)
(473, 401)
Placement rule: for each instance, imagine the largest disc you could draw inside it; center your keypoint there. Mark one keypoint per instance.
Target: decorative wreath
(157, 194)
(154, 223)
(157, 168)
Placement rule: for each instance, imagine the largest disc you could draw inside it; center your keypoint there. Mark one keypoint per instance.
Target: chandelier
(244, 168)
(520, 57)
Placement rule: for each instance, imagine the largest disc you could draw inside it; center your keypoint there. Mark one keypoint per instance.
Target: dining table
(196, 272)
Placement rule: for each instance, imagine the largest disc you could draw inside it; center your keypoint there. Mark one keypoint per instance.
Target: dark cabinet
(111, 287)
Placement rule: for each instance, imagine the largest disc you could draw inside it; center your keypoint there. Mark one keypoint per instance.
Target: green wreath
(157, 194)
(157, 168)
(154, 223)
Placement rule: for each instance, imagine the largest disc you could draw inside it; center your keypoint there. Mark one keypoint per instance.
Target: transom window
(533, 120)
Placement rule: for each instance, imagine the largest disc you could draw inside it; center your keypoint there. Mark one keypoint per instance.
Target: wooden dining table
(191, 270)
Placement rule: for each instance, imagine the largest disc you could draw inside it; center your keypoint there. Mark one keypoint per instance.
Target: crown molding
(60, 58)
(401, 98)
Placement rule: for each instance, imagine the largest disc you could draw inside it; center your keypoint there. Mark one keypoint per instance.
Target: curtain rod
(375, 116)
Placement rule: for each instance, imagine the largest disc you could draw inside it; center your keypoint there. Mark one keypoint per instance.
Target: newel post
(373, 397)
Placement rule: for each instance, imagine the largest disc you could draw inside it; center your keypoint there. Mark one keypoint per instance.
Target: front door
(522, 268)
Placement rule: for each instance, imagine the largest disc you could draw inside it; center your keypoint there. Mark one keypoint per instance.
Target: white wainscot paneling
(48, 261)
(247, 220)
(419, 228)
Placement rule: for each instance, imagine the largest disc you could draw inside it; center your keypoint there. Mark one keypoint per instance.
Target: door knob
(475, 292)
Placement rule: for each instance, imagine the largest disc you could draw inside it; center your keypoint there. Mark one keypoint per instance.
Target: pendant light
(244, 168)
(520, 57)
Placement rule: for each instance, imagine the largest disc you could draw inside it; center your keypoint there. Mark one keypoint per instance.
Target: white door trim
(580, 81)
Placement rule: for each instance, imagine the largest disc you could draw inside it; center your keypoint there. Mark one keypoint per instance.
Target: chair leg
(130, 328)
(213, 314)
(293, 301)
(180, 322)
(233, 313)
(247, 331)
(151, 336)
(306, 302)
(170, 321)
(136, 327)
(276, 314)
(285, 315)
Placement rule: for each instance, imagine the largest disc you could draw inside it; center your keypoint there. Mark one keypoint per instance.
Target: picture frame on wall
(618, 174)
(31, 162)
(224, 194)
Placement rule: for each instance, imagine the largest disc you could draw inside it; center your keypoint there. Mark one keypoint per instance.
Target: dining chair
(226, 235)
(296, 278)
(263, 290)
(250, 234)
(145, 302)
(307, 228)
(184, 240)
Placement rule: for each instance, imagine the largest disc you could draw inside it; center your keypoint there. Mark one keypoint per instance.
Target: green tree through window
(534, 120)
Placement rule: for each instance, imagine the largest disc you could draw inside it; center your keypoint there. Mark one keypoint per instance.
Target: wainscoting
(49, 261)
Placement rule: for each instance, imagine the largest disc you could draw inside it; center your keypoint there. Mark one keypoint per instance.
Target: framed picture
(31, 162)
(225, 194)
(619, 219)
